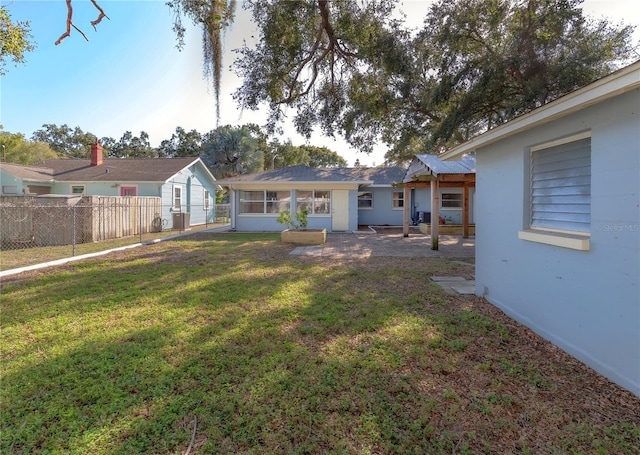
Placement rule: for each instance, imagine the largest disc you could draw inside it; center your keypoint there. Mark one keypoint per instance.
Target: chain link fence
(38, 229)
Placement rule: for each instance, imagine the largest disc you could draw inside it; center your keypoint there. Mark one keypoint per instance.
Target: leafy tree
(15, 40)
(230, 151)
(108, 144)
(130, 146)
(16, 149)
(67, 142)
(182, 143)
(321, 157)
(484, 62)
(351, 68)
(287, 154)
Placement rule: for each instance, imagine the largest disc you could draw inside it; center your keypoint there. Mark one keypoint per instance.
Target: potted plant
(296, 229)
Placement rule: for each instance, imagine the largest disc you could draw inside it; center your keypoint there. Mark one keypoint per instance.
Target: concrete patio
(362, 246)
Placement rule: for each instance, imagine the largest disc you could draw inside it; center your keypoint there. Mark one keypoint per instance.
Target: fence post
(73, 239)
(140, 219)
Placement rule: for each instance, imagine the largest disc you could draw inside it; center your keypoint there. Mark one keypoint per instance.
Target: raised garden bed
(304, 236)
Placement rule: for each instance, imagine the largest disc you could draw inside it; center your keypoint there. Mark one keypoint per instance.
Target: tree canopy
(67, 142)
(230, 151)
(15, 40)
(353, 67)
(15, 148)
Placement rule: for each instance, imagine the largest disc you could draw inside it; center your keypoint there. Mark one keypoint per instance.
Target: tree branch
(70, 23)
(333, 48)
(69, 18)
(101, 16)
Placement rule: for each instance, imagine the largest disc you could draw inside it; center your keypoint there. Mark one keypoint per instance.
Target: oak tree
(353, 67)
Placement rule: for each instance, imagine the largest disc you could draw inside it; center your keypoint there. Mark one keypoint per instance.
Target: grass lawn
(23, 257)
(223, 343)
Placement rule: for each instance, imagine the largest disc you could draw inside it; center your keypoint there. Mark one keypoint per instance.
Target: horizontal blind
(561, 186)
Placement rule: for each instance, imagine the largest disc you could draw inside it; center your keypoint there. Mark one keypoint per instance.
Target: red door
(128, 191)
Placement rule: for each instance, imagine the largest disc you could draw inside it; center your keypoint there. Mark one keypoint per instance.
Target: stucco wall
(267, 222)
(586, 302)
(13, 184)
(382, 212)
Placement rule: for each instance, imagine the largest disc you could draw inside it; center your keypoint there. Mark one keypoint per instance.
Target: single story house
(558, 222)
(338, 199)
(185, 185)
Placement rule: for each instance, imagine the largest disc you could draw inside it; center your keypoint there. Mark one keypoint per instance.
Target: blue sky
(129, 76)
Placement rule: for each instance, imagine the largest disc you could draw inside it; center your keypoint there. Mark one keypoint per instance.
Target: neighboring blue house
(338, 199)
(558, 222)
(185, 185)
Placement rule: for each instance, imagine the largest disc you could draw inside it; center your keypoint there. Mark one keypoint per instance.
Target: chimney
(96, 154)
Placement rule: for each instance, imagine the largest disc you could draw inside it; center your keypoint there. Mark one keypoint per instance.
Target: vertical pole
(406, 207)
(435, 212)
(465, 212)
(140, 218)
(73, 240)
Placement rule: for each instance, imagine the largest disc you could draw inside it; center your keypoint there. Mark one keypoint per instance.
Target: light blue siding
(11, 184)
(382, 213)
(193, 181)
(586, 302)
(267, 222)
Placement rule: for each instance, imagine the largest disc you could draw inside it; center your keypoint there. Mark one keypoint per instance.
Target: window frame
(268, 202)
(362, 199)
(10, 190)
(206, 200)
(177, 198)
(74, 187)
(397, 203)
(458, 199)
(315, 202)
(556, 235)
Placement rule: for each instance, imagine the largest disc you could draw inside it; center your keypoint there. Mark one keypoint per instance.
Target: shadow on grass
(273, 355)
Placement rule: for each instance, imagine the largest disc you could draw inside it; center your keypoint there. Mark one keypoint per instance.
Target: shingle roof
(121, 170)
(379, 175)
(41, 174)
(300, 173)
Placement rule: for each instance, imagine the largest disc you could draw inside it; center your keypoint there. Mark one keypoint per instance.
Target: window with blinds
(561, 185)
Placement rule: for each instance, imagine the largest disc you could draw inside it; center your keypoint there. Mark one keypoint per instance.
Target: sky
(129, 76)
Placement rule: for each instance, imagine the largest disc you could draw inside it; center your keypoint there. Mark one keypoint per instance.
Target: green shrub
(299, 221)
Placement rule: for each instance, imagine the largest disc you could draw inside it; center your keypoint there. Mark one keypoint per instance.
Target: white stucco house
(558, 222)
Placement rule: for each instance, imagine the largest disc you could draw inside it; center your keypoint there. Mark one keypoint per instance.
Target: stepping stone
(448, 278)
(465, 289)
(307, 251)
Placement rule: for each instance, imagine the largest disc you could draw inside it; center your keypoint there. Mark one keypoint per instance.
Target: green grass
(279, 354)
(23, 257)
